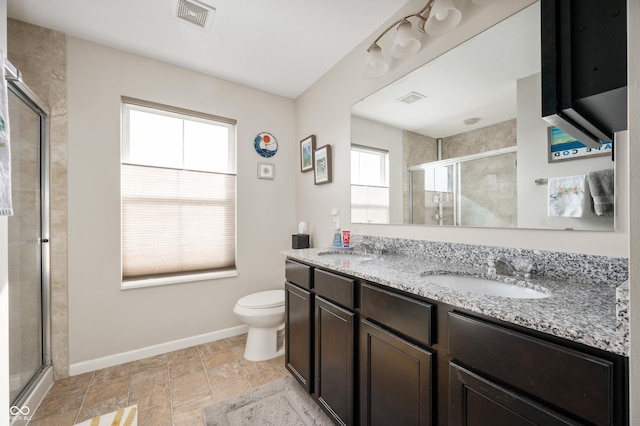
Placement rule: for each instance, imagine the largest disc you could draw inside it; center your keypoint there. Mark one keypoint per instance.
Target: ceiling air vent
(411, 97)
(195, 13)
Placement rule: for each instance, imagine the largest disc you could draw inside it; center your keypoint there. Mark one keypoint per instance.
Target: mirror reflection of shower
(473, 190)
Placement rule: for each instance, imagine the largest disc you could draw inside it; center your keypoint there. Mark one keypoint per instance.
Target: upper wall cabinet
(584, 67)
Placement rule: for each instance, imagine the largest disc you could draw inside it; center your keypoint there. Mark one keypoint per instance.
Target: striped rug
(123, 417)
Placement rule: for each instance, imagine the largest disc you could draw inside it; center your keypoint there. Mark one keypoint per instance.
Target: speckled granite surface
(584, 305)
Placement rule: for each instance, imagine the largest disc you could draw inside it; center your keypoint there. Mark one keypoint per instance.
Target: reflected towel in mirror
(601, 187)
(566, 196)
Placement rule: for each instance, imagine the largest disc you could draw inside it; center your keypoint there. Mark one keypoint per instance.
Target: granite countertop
(586, 313)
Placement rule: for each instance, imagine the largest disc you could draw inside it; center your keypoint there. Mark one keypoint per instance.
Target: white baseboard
(121, 358)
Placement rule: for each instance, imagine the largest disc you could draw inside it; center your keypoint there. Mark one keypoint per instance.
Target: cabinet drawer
(334, 287)
(411, 317)
(298, 274)
(564, 378)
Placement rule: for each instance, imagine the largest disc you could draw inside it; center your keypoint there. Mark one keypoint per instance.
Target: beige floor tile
(69, 384)
(183, 355)
(236, 341)
(185, 387)
(67, 418)
(106, 391)
(230, 388)
(153, 376)
(156, 416)
(98, 408)
(58, 404)
(283, 369)
(191, 421)
(264, 376)
(238, 351)
(250, 367)
(224, 373)
(149, 397)
(184, 368)
(277, 361)
(170, 389)
(219, 358)
(111, 373)
(213, 347)
(191, 408)
(148, 363)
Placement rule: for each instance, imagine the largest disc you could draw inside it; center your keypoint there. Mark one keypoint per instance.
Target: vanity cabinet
(335, 334)
(479, 401)
(396, 367)
(522, 379)
(299, 322)
(373, 355)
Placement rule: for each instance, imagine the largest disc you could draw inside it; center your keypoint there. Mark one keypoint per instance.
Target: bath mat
(123, 417)
(281, 402)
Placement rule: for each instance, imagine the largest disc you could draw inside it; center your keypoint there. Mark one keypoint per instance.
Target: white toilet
(263, 312)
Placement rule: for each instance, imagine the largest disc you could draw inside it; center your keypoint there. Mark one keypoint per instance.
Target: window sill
(153, 282)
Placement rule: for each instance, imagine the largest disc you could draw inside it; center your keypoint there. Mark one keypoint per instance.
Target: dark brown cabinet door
(571, 381)
(334, 360)
(474, 400)
(298, 334)
(395, 379)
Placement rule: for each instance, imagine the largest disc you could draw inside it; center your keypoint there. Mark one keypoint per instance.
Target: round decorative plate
(265, 144)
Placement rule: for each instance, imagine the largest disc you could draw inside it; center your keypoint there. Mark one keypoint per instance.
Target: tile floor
(170, 389)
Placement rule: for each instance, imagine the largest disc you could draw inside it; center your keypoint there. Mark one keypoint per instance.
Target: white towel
(6, 208)
(567, 196)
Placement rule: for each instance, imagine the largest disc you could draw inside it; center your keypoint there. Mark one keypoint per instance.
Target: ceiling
(280, 46)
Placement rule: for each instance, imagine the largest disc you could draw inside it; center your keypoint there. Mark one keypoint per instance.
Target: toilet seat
(262, 299)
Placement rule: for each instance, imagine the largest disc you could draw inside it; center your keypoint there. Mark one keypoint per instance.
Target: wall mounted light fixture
(436, 17)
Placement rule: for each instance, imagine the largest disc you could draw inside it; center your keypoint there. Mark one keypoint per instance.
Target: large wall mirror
(461, 142)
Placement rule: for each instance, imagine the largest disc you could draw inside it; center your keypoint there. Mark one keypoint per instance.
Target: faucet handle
(524, 267)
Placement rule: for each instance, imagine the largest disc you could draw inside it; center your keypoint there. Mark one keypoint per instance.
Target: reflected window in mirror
(369, 185)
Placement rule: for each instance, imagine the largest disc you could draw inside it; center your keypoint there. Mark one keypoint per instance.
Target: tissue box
(300, 241)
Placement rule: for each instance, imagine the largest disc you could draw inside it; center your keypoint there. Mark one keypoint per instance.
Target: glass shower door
(26, 328)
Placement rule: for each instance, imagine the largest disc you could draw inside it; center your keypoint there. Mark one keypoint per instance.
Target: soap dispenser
(337, 234)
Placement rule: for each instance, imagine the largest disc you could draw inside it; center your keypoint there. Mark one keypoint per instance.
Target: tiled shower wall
(41, 55)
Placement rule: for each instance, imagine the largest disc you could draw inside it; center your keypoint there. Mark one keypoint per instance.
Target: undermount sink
(485, 286)
(345, 255)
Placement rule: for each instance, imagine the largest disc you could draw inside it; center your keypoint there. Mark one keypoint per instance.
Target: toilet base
(263, 344)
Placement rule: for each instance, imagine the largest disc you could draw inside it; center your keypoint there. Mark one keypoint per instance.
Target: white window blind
(178, 193)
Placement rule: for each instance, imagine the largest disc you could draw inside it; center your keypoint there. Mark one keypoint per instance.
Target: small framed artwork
(266, 170)
(564, 147)
(307, 147)
(322, 165)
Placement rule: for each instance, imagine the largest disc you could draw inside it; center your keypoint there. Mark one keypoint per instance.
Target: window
(178, 194)
(369, 185)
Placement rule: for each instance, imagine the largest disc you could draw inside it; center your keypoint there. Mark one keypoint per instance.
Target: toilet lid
(263, 299)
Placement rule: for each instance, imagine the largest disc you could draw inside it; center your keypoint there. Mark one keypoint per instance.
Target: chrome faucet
(503, 266)
(519, 267)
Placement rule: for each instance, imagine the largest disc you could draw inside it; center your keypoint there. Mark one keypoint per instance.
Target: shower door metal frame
(25, 94)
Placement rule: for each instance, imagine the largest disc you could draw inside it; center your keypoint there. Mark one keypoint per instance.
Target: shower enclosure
(474, 190)
(29, 357)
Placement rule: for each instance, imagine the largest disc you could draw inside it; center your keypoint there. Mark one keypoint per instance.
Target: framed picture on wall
(307, 147)
(322, 165)
(266, 170)
(564, 147)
